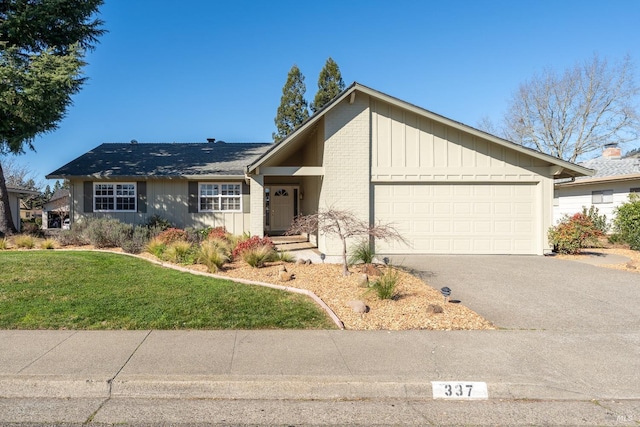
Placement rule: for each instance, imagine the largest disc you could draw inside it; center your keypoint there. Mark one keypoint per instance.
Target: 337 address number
(459, 390)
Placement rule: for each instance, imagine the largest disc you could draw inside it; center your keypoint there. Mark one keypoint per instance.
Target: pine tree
(292, 111)
(42, 47)
(330, 84)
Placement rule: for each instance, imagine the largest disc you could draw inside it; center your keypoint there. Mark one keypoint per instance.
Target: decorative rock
(307, 262)
(434, 309)
(630, 266)
(371, 270)
(285, 277)
(282, 268)
(300, 261)
(358, 306)
(363, 281)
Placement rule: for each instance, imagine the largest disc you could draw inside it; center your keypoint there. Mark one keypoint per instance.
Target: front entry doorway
(281, 207)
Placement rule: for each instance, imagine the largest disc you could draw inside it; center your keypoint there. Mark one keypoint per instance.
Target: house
(614, 179)
(15, 202)
(447, 187)
(56, 209)
(28, 211)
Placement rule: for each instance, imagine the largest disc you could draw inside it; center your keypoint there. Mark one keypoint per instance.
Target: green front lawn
(93, 290)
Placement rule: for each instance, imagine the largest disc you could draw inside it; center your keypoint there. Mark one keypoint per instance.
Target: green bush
(599, 221)
(137, 241)
(385, 285)
(171, 235)
(284, 257)
(31, 228)
(362, 253)
(573, 234)
(107, 232)
(157, 222)
(73, 237)
(627, 221)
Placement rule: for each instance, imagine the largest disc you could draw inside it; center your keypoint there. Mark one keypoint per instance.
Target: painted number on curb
(459, 390)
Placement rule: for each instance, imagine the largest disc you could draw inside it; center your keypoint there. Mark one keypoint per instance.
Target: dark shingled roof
(112, 160)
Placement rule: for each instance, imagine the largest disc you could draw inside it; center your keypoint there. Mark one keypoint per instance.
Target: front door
(282, 207)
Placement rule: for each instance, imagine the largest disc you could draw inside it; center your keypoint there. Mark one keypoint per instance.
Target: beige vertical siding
(170, 200)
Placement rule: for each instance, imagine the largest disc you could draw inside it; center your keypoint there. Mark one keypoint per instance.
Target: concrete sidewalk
(317, 364)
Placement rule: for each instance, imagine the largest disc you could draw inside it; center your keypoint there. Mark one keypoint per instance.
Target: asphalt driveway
(535, 292)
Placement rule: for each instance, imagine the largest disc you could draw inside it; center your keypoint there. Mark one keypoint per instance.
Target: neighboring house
(447, 187)
(15, 202)
(28, 212)
(56, 209)
(614, 179)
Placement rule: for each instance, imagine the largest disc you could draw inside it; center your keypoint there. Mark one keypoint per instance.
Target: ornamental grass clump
(48, 244)
(258, 256)
(156, 247)
(179, 252)
(573, 234)
(4, 243)
(253, 242)
(362, 253)
(25, 242)
(385, 285)
(214, 253)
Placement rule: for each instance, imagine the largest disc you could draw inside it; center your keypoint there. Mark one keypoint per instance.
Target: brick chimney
(612, 151)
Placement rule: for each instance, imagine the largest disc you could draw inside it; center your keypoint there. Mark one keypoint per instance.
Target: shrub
(47, 244)
(157, 222)
(627, 221)
(385, 285)
(217, 233)
(599, 221)
(107, 232)
(214, 253)
(4, 243)
(73, 237)
(171, 235)
(25, 241)
(179, 252)
(362, 253)
(137, 241)
(253, 242)
(257, 256)
(156, 247)
(573, 233)
(31, 228)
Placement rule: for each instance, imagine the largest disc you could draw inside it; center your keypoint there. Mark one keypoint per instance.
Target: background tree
(344, 225)
(577, 112)
(292, 111)
(42, 45)
(330, 84)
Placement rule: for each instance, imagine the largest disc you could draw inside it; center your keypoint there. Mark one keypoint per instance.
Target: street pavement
(567, 353)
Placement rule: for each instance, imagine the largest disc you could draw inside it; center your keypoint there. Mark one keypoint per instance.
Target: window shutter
(193, 197)
(141, 188)
(88, 196)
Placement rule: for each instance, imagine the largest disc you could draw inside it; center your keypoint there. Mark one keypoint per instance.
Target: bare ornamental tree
(344, 225)
(577, 112)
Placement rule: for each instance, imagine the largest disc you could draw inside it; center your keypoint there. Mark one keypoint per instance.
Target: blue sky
(170, 71)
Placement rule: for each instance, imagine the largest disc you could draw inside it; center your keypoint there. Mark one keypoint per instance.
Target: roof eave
(599, 180)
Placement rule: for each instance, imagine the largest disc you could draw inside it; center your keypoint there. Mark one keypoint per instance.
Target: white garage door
(459, 218)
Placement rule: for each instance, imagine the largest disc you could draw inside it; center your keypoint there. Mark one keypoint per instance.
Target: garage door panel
(459, 218)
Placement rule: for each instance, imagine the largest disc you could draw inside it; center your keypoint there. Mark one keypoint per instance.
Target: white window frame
(220, 202)
(601, 197)
(116, 187)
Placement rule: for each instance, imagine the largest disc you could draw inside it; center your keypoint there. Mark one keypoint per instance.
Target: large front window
(220, 197)
(114, 197)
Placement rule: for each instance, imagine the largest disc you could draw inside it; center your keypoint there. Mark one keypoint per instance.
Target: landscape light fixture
(322, 257)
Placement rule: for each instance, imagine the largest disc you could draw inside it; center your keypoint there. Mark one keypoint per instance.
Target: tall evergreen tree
(292, 111)
(330, 84)
(42, 45)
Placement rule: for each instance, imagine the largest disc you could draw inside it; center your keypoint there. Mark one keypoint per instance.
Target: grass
(92, 290)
